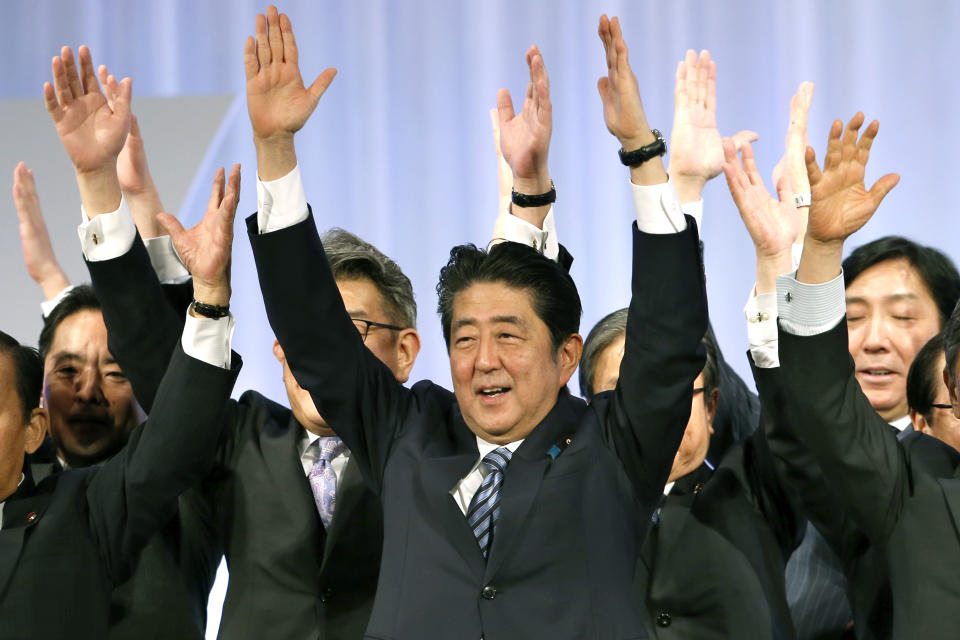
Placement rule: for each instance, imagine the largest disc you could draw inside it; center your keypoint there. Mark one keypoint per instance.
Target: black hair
(555, 297)
(936, 270)
(28, 369)
(925, 377)
(80, 298)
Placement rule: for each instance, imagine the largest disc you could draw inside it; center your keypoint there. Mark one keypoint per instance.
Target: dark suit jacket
(889, 507)
(562, 559)
(289, 578)
(68, 540)
(713, 564)
(158, 601)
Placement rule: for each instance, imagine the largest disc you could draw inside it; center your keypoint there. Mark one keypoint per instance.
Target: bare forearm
(276, 156)
(821, 261)
(144, 207)
(99, 190)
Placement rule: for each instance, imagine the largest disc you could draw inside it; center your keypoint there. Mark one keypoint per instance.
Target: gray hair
(351, 257)
(614, 325)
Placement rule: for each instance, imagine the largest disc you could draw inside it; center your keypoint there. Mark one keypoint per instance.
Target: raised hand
(696, 154)
(504, 172)
(793, 163)
(38, 252)
(773, 223)
(841, 203)
(278, 102)
(525, 137)
(206, 247)
(136, 182)
(92, 133)
(622, 109)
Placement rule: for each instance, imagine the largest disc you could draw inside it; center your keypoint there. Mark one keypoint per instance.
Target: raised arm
(38, 252)
(646, 416)
(136, 492)
(860, 457)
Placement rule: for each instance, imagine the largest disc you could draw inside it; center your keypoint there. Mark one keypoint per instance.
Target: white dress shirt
(468, 486)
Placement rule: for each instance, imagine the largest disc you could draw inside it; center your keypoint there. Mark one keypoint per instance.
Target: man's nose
(877, 334)
(88, 387)
(487, 356)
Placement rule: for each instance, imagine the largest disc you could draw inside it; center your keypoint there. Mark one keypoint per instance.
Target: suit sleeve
(134, 493)
(357, 395)
(143, 328)
(863, 465)
(663, 355)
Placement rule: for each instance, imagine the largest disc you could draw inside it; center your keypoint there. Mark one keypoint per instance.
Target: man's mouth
(494, 392)
(877, 374)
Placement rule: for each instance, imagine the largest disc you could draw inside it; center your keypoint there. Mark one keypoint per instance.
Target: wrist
(212, 293)
(276, 156)
(769, 267)
(54, 283)
(689, 188)
(642, 138)
(820, 261)
(99, 190)
(532, 185)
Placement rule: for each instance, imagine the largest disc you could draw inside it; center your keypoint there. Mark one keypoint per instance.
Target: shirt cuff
(810, 309)
(658, 208)
(761, 313)
(695, 211)
(166, 263)
(108, 235)
(47, 306)
(208, 339)
(281, 203)
(510, 227)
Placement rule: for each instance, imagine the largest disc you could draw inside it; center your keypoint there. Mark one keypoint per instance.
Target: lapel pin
(31, 517)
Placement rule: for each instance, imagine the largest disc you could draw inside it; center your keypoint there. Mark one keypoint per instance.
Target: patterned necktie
(323, 480)
(485, 505)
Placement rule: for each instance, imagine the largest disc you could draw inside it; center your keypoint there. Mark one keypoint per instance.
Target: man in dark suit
(713, 564)
(886, 504)
(537, 536)
(66, 541)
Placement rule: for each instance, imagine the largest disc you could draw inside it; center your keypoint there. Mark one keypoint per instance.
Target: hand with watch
(623, 110)
(205, 248)
(525, 143)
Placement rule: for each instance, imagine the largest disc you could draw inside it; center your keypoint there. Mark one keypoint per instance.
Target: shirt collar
(902, 423)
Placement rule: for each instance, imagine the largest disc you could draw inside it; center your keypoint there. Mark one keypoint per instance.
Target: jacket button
(664, 619)
(326, 594)
(489, 592)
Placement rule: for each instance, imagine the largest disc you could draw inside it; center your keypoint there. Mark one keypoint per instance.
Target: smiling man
(511, 508)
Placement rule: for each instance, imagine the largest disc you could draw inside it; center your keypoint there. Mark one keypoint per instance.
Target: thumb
(504, 106)
(882, 187)
(172, 226)
(320, 85)
(741, 138)
(785, 188)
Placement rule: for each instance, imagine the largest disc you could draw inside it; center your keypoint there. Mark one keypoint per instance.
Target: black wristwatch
(638, 156)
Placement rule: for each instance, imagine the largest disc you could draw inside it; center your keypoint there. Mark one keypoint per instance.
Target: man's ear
(952, 388)
(36, 430)
(710, 404)
(278, 351)
(568, 356)
(408, 346)
(920, 423)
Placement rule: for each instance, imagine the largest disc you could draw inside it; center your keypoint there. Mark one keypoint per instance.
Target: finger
(50, 102)
(866, 141)
(70, 68)
(680, 99)
(703, 69)
(232, 194)
(121, 106)
(746, 136)
(495, 127)
(603, 31)
(134, 127)
(750, 165)
(172, 226)
(692, 76)
(320, 85)
(785, 188)
(804, 98)
(250, 63)
(850, 134)
(290, 52)
(273, 35)
(504, 106)
(603, 87)
(102, 75)
(216, 191)
(544, 107)
(263, 47)
(813, 170)
(60, 81)
(88, 77)
(711, 99)
(834, 151)
(882, 187)
(623, 52)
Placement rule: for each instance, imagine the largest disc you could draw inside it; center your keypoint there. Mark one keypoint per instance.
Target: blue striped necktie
(485, 505)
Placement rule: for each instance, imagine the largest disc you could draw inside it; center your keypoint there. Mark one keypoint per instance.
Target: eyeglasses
(942, 406)
(363, 326)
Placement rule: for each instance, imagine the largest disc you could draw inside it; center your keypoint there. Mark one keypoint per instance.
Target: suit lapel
(282, 459)
(439, 475)
(522, 479)
(349, 493)
(21, 512)
(951, 493)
